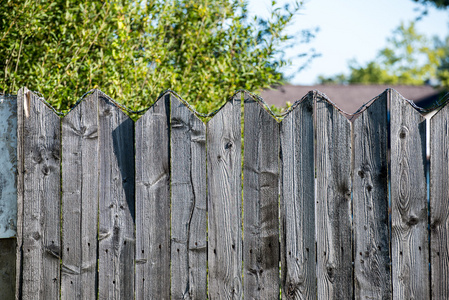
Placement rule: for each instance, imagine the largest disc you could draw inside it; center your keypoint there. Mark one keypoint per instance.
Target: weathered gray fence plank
(298, 264)
(8, 162)
(40, 162)
(409, 236)
(153, 202)
(80, 154)
(372, 277)
(224, 202)
(333, 202)
(188, 194)
(116, 202)
(261, 202)
(439, 204)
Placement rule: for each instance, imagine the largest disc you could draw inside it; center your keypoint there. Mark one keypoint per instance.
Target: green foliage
(410, 58)
(437, 3)
(133, 50)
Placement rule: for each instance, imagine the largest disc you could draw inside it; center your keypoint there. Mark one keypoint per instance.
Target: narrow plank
(8, 171)
(439, 203)
(224, 202)
(116, 201)
(20, 167)
(41, 201)
(298, 253)
(261, 202)
(333, 202)
(372, 276)
(409, 238)
(80, 200)
(188, 194)
(153, 202)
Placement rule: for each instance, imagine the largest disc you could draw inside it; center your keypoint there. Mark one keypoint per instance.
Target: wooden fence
(327, 208)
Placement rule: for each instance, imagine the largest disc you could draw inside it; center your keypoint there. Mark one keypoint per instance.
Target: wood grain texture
(153, 202)
(298, 254)
(409, 237)
(116, 201)
(20, 177)
(224, 202)
(80, 154)
(260, 202)
(188, 204)
(372, 276)
(8, 162)
(333, 202)
(41, 202)
(439, 204)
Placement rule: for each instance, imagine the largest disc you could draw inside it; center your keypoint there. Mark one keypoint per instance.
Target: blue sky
(351, 29)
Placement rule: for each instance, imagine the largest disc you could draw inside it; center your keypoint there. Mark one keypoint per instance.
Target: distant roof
(350, 97)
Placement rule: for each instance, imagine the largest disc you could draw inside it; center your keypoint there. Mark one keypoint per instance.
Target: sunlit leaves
(134, 50)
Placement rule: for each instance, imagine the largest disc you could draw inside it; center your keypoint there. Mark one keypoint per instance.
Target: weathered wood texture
(333, 202)
(80, 156)
(409, 236)
(439, 204)
(224, 202)
(153, 202)
(188, 203)
(116, 201)
(40, 165)
(260, 202)
(298, 263)
(139, 218)
(372, 274)
(8, 162)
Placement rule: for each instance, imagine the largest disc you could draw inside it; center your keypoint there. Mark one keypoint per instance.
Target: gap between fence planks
(169, 161)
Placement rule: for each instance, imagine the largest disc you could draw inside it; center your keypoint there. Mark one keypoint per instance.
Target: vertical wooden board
(188, 204)
(333, 203)
(372, 277)
(153, 202)
(116, 202)
(298, 263)
(439, 204)
(80, 200)
(224, 202)
(8, 161)
(20, 175)
(409, 238)
(41, 200)
(260, 203)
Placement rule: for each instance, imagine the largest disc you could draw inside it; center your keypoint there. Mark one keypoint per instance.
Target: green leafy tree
(437, 3)
(134, 50)
(410, 58)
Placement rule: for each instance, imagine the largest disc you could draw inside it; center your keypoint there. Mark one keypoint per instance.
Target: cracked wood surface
(298, 254)
(80, 183)
(153, 202)
(188, 203)
(224, 202)
(260, 203)
(40, 162)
